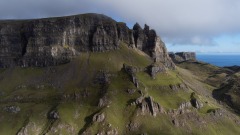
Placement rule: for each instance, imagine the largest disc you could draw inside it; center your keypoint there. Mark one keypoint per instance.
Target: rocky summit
(54, 41)
(90, 75)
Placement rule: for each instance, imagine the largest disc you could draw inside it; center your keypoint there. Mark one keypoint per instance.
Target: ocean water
(220, 60)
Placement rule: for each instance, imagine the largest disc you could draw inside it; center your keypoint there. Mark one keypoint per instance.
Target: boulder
(99, 117)
(196, 103)
(148, 106)
(103, 101)
(53, 115)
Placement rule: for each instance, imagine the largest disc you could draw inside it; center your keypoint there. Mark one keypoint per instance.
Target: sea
(220, 60)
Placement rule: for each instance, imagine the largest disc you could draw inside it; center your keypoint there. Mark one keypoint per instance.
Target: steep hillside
(96, 93)
(229, 92)
(223, 82)
(124, 88)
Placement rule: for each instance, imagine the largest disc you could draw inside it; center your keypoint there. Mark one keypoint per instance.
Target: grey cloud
(194, 22)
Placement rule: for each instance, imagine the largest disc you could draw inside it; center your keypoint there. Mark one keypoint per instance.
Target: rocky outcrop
(177, 87)
(196, 103)
(103, 101)
(109, 132)
(133, 126)
(156, 68)
(131, 91)
(29, 128)
(182, 56)
(54, 41)
(125, 34)
(148, 41)
(53, 115)
(99, 117)
(12, 109)
(131, 71)
(148, 106)
(185, 105)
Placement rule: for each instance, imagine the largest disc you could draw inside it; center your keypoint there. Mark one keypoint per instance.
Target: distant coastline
(219, 59)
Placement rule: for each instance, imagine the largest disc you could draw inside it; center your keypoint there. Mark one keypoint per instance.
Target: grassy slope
(206, 73)
(78, 76)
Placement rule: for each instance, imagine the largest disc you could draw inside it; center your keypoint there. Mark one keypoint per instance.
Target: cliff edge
(54, 41)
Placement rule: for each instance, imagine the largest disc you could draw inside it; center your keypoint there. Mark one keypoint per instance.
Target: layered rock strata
(54, 41)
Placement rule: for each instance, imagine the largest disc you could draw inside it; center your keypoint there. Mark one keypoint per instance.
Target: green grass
(199, 68)
(221, 127)
(78, 76)
(160, 125)
(35, 113)
(119, 113)
(168, 98)
(161, 79)
(12, 78)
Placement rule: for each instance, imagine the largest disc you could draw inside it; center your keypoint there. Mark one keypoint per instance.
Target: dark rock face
(54, 41)
(54, 115)
(196, 103)
(182, 56)
(45, 42)
(148, 41)
(125, 34)
(131, 71)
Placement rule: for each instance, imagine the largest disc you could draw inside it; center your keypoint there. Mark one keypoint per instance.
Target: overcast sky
(184, 25)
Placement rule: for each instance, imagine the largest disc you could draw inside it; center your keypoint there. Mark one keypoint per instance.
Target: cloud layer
(192, 22)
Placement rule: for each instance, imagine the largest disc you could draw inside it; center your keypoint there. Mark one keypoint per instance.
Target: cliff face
(182, 56)
(148, 41)
(53, 41)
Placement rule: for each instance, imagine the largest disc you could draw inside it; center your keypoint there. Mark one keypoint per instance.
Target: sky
(202, 26)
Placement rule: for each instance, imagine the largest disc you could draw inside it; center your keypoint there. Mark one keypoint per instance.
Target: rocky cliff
(53, 41)
(182, 56)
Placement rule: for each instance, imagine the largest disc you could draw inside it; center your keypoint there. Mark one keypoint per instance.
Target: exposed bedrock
(54, 41)
(182, 56)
